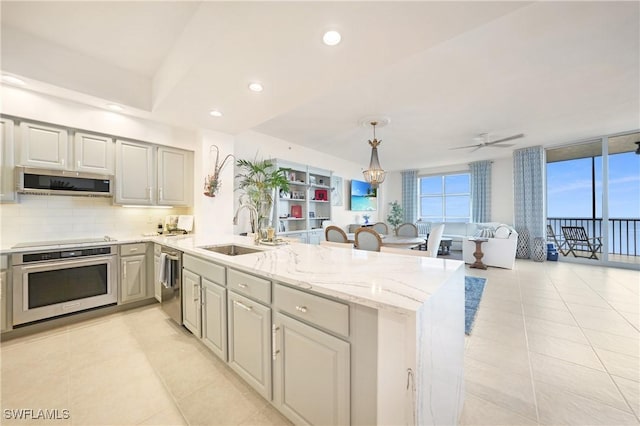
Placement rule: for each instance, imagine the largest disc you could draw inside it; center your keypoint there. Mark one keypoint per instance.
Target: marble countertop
(378, 280)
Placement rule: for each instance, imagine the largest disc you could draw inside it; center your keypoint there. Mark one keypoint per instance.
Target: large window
(445, 198)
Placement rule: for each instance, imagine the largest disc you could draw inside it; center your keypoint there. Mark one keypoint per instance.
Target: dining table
(393, 240)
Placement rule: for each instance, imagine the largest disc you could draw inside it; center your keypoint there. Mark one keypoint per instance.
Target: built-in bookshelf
(300, 212)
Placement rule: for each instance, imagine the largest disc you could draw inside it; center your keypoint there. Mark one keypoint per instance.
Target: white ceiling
(443, 72)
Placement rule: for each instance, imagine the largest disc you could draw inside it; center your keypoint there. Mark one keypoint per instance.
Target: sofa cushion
(502, 231)
(484, 233)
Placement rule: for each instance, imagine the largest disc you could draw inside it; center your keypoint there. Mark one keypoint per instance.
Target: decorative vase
(538, 252)
(523, 250)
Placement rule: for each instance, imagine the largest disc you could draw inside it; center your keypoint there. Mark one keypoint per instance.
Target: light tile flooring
(553, 343)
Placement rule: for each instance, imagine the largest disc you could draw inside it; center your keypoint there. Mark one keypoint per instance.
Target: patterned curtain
(528, 175)
(480, 191)
(410, 195)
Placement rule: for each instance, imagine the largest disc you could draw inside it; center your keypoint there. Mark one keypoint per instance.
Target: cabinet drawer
(209, 270)
(333, 316)
(248, 285)
(131, 249)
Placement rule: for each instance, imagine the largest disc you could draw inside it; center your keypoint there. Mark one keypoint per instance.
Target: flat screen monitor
(363, 196)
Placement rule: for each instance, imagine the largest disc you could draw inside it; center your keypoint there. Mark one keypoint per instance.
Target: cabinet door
(214, 318)
(311, 374)
(133, 279)
(43, 146)
(175, 177)
(191, 316)
(315, 237)
(3, 301)
(7, 179)
(94, 154)
(157, 287)
(249, 325)
(134, 173)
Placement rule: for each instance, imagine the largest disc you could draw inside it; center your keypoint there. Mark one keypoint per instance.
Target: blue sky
(569, 187)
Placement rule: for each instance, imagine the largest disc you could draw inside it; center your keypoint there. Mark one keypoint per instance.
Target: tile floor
(553, 343)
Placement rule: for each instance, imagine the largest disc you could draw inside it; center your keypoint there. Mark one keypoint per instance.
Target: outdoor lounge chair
(577, 239)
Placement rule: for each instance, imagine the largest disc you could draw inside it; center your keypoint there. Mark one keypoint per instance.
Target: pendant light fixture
(374, 174)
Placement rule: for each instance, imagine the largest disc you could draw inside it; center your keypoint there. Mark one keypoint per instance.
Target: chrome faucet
(253, 212)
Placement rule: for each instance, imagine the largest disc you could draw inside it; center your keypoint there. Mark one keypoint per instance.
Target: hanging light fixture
(374, 174)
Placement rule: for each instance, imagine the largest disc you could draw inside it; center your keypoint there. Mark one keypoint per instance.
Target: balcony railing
(624, 233)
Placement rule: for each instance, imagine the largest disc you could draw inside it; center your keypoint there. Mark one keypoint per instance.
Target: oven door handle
(60, 264)
(173, 257)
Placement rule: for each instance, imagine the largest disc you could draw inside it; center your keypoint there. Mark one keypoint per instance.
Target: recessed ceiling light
(12, 80)
(114, 107)
(331, 38)
(215, 113)
(255, 87)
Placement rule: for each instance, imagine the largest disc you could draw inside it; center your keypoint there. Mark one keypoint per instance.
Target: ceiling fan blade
(476, 148)
(507, 139)
(507, 145)
(468, 146)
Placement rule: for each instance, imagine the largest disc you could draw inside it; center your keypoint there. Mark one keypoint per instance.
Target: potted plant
(396, 216)
(260, 180)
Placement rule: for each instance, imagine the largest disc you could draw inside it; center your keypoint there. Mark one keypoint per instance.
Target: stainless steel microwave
(62, 182)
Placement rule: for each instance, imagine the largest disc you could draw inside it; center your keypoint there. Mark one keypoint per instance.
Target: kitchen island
(376, 338)
(415, 309)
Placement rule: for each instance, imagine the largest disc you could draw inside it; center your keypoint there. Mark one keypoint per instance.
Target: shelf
(319, 201)
(291, 218)
(295, 182)
(313, 185)
(292, 199)
(320, 218)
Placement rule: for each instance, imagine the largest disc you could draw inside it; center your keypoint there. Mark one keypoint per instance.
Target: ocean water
(360, 203)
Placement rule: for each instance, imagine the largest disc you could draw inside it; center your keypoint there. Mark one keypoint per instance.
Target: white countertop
(379, 280)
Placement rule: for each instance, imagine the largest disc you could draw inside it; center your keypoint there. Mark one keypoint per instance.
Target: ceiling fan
(483, 139)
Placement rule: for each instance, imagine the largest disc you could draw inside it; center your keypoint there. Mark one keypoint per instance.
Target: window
(445, 198)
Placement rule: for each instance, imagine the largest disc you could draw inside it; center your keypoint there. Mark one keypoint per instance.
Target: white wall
(251, 145)
(501, 186)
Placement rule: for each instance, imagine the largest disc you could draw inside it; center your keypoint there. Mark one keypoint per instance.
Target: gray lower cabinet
(191, 302)
(214, 317)
(157, 286)
(249, 326)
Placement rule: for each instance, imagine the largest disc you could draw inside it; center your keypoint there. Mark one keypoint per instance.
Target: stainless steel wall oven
(52, 283)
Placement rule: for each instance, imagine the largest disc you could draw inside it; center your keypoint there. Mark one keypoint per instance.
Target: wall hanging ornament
(212, 182)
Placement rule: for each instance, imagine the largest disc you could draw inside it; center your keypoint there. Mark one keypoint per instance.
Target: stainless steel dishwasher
(171, 282)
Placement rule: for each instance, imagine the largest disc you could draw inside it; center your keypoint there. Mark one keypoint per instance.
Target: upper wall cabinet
(150, 175)
(94, 153)
(175, 177)
(43, 146)
(134, 173)
(7, 180)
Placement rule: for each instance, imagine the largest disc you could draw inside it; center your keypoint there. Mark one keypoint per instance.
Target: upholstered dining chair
(368, 239)
(334, 244)
(433, 244)
(407, 230)
(335, 234)
(380, 228)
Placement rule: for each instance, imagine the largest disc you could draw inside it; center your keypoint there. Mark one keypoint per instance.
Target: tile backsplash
(43, 218)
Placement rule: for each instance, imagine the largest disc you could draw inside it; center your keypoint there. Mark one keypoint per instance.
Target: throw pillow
(486, 233)
(502, 231)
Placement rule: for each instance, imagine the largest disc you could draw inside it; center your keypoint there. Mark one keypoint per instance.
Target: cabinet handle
(124, 273)
(242, 305)
(149, 190)
(160, 194)
(302, 309)
(62, 162)
(133, 249)
(196, 293)
(78, 164)
(274, 332)
(242, 285)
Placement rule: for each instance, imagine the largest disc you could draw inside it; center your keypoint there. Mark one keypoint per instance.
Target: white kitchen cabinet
(7, 161)
(4, 320)
(133, 278)
(191, 302)
(43, 146)
(310, 374)
(94, 153)
(175, 177)
(214, 317)
(157, 285)
(134, 173)
(249, 327)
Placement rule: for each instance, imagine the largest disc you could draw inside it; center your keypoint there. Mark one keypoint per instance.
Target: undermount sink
(231, 249)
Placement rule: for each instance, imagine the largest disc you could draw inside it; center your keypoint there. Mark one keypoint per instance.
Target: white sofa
(499, 252)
